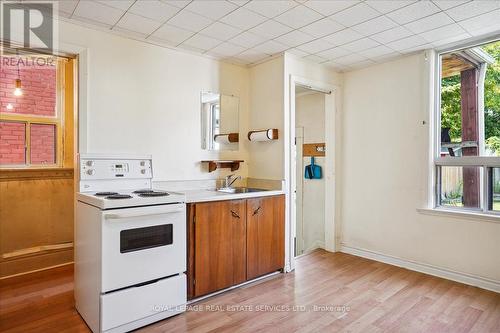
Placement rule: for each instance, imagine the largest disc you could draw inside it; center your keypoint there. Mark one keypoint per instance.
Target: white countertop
(205, 195)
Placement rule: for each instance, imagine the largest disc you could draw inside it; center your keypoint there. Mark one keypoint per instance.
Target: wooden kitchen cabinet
(230, 242)
(265, 235)
(217, 242)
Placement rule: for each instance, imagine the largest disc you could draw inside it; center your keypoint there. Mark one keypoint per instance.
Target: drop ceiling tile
(202, 42)
(322, 27)
(360, 45)
(335, 66)
(294, 38)
(375, 52)
(350, 59)
(297, 52)
(248, 39)
(314, 58)
(413, 12)
(98, 12)
(172, 34)
(270, 47)
(155, 10)
(226, 50)
(386, 6)
(176, 3)
(452, 39)
(482, 24)
(375, 25)
(354, 15)
(428, 23)
(472, 8)
(406, 43)
(335, 52)
(417, 48)
(328, 8)
(220, 31)
(137, 23)
(298, 17)
(447, 4)
(243, 18)
(443, 32)
(270, 8)
(315, 46)
(239, 2)
(270, 29)
(214, 9)
(119, 4)
(391, 35)
(251, 56)
(343, 37)
(386, 57)
(67, 7)
(362, 64)
(189, 21)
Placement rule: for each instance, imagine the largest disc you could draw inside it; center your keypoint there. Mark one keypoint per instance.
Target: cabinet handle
(257, 210)
(234, 214)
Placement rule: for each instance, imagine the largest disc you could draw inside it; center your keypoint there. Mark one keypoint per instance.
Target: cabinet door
(219, 247)
(265, 235)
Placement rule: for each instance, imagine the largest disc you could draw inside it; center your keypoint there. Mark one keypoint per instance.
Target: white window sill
(460, 214)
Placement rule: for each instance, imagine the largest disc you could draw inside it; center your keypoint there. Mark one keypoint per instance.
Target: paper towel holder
(263, 135)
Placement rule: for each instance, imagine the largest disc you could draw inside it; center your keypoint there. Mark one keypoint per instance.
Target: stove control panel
(115, 169)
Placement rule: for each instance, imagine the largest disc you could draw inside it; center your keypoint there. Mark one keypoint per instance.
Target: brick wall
(12, 143)
(38, 82)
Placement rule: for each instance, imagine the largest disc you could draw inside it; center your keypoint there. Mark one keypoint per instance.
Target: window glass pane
(12, 143)
(460, 187)
(38, 85)
(470, 101)
(495, 189)
(43, 144)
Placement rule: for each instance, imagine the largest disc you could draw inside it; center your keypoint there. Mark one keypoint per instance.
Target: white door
(142, 244)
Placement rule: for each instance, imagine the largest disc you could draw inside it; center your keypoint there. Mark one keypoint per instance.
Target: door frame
(331, 134)
(299, 233)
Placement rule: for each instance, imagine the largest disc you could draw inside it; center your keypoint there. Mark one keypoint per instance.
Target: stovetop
(128, 198)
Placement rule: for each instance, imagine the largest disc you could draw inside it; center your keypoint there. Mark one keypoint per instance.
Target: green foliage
(450, 102)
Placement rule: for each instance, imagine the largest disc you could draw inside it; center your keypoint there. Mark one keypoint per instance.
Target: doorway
(309, 169)
(295, 172)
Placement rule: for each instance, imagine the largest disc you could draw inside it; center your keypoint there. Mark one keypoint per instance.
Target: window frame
(57, 121)
(485, 163)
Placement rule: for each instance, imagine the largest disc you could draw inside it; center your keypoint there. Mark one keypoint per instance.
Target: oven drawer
(142, 244)
(160, 299)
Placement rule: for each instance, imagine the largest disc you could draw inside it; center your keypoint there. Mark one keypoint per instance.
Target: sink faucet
(230, 179)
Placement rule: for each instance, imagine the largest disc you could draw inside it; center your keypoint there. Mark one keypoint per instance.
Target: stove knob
(89, 163)
(143, 163)
(90, 172)
(143, 171)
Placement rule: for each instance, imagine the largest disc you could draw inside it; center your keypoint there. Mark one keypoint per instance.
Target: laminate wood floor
(328, 292)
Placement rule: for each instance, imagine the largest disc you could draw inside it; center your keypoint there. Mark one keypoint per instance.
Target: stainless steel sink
(239, 190)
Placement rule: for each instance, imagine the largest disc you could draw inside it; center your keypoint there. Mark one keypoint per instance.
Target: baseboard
(465, 278)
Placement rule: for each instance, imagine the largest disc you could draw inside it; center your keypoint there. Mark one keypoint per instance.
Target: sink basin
(239, 190)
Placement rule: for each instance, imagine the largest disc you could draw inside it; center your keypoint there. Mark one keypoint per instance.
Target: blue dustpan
(312, 170)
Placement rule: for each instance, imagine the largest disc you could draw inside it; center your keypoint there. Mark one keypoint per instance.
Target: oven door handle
(142, 213)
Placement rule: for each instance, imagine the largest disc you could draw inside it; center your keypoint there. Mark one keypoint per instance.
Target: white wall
(145, 99)
(385, 175)
(266, 111)
(310, 115)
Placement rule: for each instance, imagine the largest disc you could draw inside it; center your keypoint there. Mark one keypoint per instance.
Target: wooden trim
(311, 149)
(36, 250)
(32, 173)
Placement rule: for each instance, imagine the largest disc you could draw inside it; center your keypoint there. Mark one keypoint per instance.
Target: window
(467, 156)
(31, 117)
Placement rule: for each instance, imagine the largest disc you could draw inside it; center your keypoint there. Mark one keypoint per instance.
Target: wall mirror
(219, 121)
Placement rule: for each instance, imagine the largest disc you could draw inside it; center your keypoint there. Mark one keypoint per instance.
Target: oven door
(142, 244)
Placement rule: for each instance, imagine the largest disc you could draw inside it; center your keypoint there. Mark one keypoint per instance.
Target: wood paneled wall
(37, 205)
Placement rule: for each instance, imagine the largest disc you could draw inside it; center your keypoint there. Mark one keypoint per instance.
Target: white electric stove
(130, 245)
